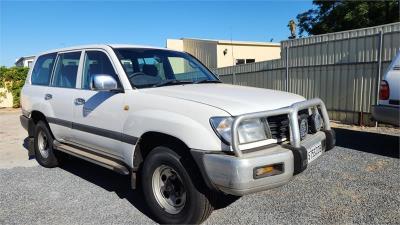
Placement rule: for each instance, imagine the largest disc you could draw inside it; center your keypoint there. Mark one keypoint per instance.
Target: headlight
(249, 130)
(315, 122)
(303, 127)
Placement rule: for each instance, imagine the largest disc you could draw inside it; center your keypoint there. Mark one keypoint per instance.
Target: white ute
(193, 143)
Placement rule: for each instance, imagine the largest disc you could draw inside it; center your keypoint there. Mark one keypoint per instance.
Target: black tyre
(43, 145)
(172, 190)
(223, 200)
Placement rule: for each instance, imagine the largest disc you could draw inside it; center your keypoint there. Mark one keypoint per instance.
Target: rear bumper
(386, 114)
(235, 175)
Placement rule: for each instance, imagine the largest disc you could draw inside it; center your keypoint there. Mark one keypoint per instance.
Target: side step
(98, 159)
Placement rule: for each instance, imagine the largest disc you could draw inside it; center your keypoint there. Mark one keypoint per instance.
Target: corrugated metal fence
(340, 68)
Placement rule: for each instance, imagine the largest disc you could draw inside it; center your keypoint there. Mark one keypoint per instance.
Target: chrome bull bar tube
(291, 111)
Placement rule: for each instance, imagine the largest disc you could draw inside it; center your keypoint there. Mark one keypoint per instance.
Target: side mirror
(103, 82)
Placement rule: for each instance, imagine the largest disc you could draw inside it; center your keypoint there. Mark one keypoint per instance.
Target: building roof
(233, 42)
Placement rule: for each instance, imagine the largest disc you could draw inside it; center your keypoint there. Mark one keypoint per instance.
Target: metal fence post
(287, 68)
(234, 74)
(378, 80)
(380, 41)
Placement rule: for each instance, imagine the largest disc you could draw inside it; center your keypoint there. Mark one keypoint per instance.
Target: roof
(104, 46)
(232, 42)
(134, 46)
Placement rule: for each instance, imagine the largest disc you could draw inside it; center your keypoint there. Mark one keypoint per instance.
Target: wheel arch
(35, 117)
(149, 140)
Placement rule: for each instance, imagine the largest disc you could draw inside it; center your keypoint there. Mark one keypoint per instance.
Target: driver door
(98, 115)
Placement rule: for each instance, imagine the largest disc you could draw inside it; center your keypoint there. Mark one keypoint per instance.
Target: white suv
(163, 118)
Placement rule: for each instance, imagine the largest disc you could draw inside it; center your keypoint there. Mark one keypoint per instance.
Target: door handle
(79, 101)
(48, 96)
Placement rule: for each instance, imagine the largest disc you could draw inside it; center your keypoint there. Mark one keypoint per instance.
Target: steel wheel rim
(43, 144)
(168, 189)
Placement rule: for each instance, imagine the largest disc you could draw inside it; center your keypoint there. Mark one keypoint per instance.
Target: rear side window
(66, 70)
(41, 73)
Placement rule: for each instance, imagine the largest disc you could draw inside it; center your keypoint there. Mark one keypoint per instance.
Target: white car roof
(102, 46)
(134, 46)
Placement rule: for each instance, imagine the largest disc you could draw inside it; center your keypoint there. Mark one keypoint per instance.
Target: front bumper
(235, 174)
(386, 114)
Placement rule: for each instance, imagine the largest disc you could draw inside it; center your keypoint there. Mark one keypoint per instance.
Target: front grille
(279, 125)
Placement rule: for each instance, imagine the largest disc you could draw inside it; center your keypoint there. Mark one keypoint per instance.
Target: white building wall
(211, 52)
(7, 99)
(205, 51)
(234, 52)
(28, 63)
(175, 44)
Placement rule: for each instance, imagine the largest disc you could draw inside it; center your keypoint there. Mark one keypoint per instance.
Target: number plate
(314, 152)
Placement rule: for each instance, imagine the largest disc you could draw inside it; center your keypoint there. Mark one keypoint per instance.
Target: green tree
(13, 79)
(334, 16)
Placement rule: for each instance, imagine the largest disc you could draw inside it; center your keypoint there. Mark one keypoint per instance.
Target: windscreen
(156, 67)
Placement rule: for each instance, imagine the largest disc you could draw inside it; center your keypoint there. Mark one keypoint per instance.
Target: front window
(96, 62)
(153, 67)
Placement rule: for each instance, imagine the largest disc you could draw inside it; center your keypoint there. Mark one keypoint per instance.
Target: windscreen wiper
(172, 82)
(207, 81)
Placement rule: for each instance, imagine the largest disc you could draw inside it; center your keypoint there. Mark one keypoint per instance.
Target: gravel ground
(346, 185)
(380, 129)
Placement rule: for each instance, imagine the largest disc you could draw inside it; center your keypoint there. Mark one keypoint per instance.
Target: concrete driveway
(13, 147)
(357, 182)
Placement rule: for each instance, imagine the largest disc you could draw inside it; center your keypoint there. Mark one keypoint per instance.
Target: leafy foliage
(13, 79)
(334, 16)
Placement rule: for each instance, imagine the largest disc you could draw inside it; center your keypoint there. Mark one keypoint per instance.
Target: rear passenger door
(39, 81)
(59, 96)
(98, 115)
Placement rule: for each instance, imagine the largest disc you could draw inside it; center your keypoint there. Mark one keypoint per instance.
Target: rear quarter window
(41, 72)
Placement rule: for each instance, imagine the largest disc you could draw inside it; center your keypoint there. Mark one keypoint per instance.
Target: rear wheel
(43, 145)
(169, 190)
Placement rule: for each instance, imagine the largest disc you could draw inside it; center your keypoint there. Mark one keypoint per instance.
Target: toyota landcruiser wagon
(161, 117)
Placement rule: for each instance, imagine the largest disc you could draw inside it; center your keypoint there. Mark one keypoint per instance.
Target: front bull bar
(291, 111)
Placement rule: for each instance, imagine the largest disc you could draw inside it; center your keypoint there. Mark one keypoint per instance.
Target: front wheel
(171, 195)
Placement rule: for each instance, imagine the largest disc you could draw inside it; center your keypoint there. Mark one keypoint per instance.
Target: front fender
(195, 134)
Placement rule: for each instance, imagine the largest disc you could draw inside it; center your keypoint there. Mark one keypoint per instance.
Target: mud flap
(31, 148)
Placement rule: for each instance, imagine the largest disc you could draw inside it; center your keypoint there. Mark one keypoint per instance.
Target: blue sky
(30, 27)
